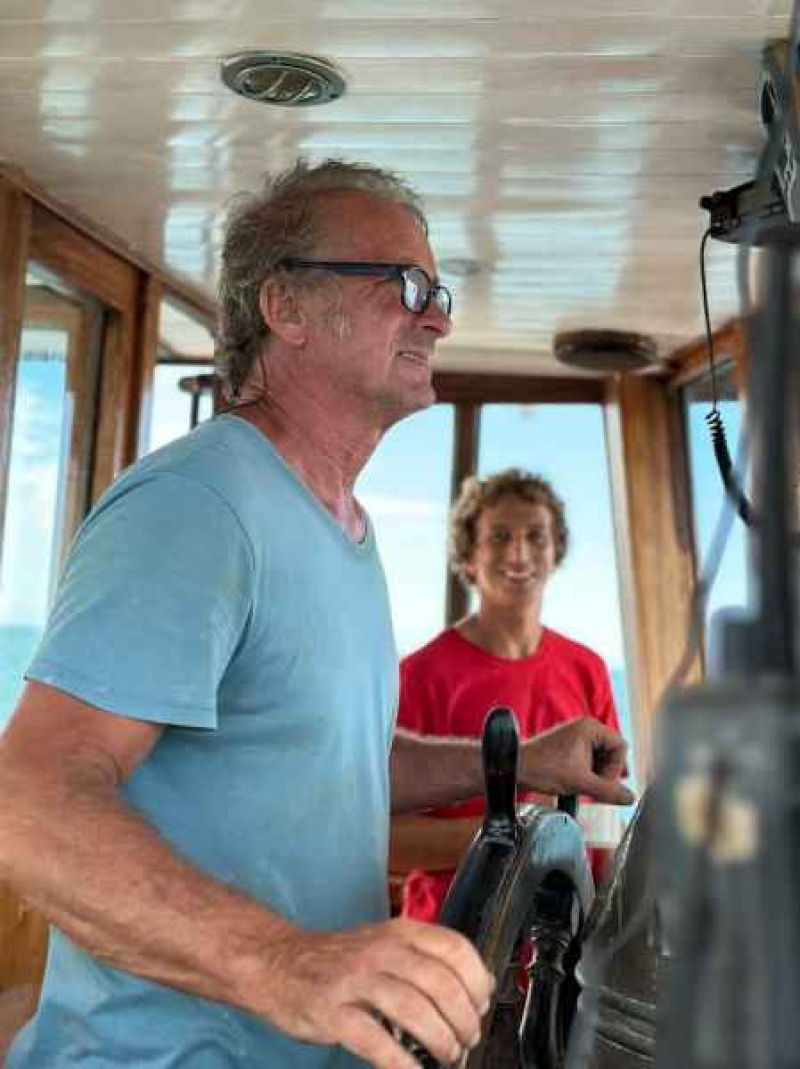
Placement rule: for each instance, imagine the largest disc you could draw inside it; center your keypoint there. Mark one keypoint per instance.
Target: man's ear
(283, 313)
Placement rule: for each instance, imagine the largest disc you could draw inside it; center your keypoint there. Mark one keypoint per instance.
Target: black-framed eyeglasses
(418, 288)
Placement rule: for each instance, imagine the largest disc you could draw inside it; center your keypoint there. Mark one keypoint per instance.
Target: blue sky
(41, 425)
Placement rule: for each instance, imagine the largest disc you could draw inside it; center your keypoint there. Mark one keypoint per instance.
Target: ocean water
(17, 646)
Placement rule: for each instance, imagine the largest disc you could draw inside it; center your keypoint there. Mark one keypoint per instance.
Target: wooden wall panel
(650, 484)
(15, 224)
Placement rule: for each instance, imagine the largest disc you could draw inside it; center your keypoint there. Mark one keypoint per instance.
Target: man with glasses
(200, 772)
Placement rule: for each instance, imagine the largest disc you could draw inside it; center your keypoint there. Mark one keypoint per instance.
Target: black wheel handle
(500, 750)
(500, 831)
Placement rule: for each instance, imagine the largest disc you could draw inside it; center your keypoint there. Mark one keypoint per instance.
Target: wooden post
(151, 291)
(15, 226)
(650, 486)
(466, 433)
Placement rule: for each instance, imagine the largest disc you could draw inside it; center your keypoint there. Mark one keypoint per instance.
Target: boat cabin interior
(561, 150)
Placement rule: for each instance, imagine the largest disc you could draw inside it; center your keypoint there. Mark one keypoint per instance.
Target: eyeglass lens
(418, 290)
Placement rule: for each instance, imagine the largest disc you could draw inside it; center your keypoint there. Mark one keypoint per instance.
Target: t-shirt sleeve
(153, 601)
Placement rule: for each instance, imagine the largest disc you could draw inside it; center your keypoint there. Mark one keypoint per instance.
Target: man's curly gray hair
(278, 223)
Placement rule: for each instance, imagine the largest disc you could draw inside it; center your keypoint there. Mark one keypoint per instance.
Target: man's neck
(505, 633)
(324, 456)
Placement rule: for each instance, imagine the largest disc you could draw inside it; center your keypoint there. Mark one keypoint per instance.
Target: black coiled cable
(726, 467)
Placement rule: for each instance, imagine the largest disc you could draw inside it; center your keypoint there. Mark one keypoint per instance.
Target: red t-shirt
(447, 688)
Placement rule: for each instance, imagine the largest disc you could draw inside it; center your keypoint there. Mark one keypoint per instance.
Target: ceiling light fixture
(288, 79)
(605, 350)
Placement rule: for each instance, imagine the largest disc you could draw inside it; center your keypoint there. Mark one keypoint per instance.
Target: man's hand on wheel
(336, 988)
(580, 757)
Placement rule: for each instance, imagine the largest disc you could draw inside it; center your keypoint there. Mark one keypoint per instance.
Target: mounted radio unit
(767, 210)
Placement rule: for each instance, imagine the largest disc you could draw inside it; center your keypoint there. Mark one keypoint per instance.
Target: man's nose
(436, 320)
(518, 548)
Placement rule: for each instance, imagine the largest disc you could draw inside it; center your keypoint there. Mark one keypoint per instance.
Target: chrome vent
(288, 79)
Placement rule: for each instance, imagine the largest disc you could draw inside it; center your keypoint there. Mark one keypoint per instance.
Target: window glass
(566, 444)
(33, 503)
(405, 487)
(171, 412)
(186, 349)
(47, 487)
(708, 495)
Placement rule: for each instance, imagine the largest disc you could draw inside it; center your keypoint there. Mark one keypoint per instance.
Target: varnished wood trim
(691, 361)
(145, 358)
(456, 387)
(466, 443)
(116, 383)
(82, 262)
(192, 297)
(23, 946)
(15, 225)
(650, 483)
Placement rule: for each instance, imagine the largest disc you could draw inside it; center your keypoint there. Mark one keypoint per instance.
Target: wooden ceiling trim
(194, 300)
(691, 361)
(459, 387)
(81, 262)
(15, 227)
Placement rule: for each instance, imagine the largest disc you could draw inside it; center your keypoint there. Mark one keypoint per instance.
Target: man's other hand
(338, 988)
(580, 757)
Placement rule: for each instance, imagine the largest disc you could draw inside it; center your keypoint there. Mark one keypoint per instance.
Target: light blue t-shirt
(211, 592)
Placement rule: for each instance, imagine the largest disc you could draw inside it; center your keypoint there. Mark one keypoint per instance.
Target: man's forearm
(95, 869)
(581, 756)
(428, 771)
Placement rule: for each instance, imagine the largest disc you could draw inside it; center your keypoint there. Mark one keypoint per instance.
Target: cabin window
(729, 590)
(406, 489)
(176, 409)
(185, 350)
(54, 402)
(566, 444)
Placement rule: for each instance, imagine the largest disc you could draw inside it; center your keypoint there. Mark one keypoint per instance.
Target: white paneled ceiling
(563, 144)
